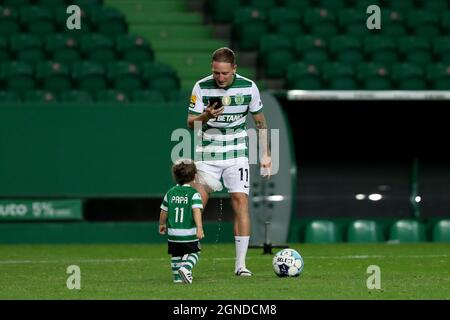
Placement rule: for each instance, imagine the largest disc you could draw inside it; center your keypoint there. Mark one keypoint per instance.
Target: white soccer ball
(287, 263)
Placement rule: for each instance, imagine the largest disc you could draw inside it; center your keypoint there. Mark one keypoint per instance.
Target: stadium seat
(98, 48)
(89, 76)
(374, 76)
(441, 231)
(322, 231)
(112, 96)
(408, 76)
(346, 49)
(321, 22)
(381, 48)
(363, 4)
(9, 21)
(125, 76)
(38, 20)
(352, 19)
(275, 54)
(439, 76)
(423, 23)
(134, 48)
(53, 76)
(151, 96)
(62, 48)
(40, 96)
(436, 6)
(445, 22)
(17, 3)
(108, 21)
(415, 49)
(160, 77)
(303, 76)
(264, 5)
(76, 97)
(364, 231)
(4, 51)
(339, 76)
(441, 48)
(27, 48)
(18, 76)
(407, 231)
(222, 11)
(311, 49)
(332, 4)
(286, 22)
(297, 5)
(7, 97)
(248, 27)
(402, 5)
(393, 22)
(52, 4)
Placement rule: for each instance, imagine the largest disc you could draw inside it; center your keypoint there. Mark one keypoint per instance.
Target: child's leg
(190, 260)
(176, 264)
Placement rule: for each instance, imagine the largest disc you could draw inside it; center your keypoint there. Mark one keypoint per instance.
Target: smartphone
(216, 100)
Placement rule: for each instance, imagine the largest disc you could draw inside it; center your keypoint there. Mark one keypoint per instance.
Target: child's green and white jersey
(228, 139)
(179, 202)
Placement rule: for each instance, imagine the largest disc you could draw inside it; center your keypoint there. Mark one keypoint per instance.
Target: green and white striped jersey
(178, 203)
(225, 137)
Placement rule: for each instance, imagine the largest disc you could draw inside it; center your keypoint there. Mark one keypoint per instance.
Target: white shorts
(235, 173)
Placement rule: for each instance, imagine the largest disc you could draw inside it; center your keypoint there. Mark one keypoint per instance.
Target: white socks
(241, 250)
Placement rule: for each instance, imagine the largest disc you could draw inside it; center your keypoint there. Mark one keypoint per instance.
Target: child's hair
(184, 171)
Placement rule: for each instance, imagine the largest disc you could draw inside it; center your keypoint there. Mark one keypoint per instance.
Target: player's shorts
(178, 249)
(235, 173)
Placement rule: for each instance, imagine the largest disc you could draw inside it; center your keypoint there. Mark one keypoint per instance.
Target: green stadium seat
(350, 19)
(134, 48)
(151, 96)
(408, 76)
(436, 6)
(416, 49)
(374, 76)
(297, 5)
(38, 20)
(439, 76)
(275, 54)
(7, 97)
(18, 76)
(364, 231)
(286, 22)
(312, 49)
(363, 4)
(40, 96)
(441, 231)
(407, 231)
(89, 76)
(303, 76)
(393, 22)
(346, 49)
(332, 4)
(112, 96)
(27, 48)
(63, 48)
(9, 21)
(108, 21)
(87, 3)
(445, 21)
(53, 76)
(322, 231)
(222, 11)
(381, 49)
(321, 22)
(124, 76)
(160, 77)
(264, 5)
(98, 48)
(4, 51)
(441, 48)
(52, 4)
(76, 97)
(248, 27)
(402, 5)
(423, 23)
(340, 76)
(17, 3)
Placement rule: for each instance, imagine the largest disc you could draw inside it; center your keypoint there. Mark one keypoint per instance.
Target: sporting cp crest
(239, 98)
(226, 100)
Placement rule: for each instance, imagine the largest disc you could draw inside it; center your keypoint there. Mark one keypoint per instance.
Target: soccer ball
(287, 263)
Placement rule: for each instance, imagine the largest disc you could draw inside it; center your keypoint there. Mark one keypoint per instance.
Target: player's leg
(175, 263)
(185, 270)
(207, 180)
(237, 181)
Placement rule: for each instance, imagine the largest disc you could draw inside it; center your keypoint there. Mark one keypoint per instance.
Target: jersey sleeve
(197, 201)
(165, 204)
(256, 105)
(196, 105)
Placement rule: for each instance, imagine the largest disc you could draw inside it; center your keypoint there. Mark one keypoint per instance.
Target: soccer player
(221, 102)
(181, 217)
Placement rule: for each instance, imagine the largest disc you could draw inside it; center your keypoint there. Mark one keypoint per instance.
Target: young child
(181, 217)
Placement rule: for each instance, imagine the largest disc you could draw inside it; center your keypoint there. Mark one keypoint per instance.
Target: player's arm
(198, 111)
(261, 128)
(197, 213)
(162, 222)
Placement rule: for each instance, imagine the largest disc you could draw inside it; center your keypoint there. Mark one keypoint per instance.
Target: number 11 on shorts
(241, 170)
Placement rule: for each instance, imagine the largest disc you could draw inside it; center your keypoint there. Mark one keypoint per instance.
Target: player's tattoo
(262, 130)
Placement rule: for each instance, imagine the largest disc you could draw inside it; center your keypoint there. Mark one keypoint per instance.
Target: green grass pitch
(408, 271)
